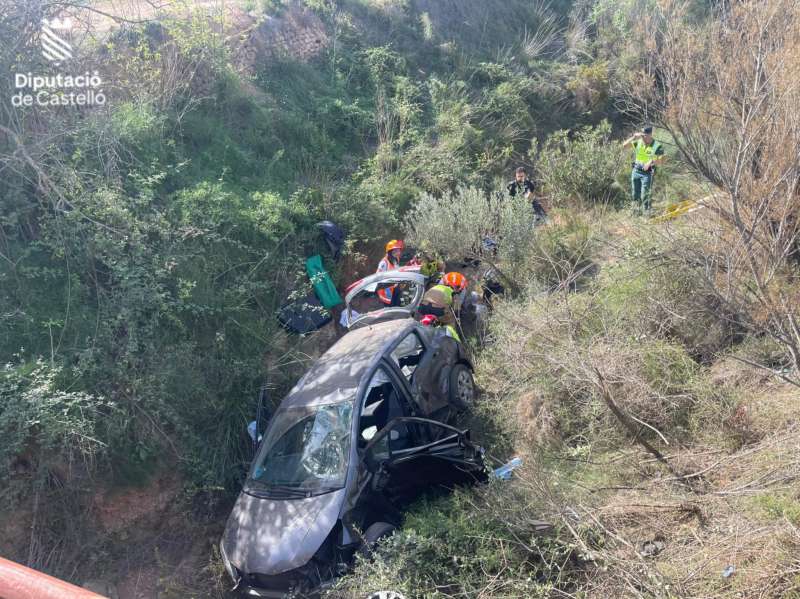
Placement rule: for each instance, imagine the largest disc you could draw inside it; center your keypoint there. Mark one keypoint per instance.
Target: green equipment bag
(321, 280)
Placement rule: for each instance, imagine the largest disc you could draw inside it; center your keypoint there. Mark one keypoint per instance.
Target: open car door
(411, 455)
(363, 307)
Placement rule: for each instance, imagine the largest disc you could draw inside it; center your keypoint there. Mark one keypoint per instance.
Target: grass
(777, 506)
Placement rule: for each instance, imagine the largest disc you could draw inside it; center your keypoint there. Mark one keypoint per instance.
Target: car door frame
(397, 379)
(357, 484)
(387, 356)
(433, 340)
(389, 312)
(462, 437)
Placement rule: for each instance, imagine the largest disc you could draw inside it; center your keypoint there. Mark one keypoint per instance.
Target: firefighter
(443, 300)
(391, 261)
(429, 320)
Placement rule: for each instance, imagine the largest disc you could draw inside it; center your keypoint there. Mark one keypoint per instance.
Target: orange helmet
(455, 280)
(395, 244)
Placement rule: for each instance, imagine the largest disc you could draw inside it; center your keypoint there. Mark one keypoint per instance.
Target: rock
(652, 548)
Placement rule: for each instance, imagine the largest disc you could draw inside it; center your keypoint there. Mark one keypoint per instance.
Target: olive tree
(468, 224)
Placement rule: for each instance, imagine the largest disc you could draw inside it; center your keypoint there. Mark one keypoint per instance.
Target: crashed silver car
(361, 435)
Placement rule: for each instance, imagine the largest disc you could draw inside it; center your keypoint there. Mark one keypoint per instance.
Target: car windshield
(305, 448)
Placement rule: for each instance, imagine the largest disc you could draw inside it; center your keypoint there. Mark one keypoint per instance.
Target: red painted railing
(20, 582)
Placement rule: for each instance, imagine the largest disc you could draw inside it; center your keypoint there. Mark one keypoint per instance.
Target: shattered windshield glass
(306, 448)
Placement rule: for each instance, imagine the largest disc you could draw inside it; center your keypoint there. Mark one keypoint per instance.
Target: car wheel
(462, 387)
(374, 533)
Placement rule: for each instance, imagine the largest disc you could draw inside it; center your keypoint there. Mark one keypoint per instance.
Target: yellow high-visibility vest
(645, 153)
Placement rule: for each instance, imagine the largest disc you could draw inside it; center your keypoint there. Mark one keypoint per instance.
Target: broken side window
(407, 354)
(383, 402)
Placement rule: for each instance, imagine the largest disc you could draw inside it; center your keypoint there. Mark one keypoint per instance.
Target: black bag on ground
(304, 315)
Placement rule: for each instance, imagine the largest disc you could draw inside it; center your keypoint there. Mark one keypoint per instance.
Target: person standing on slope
(524, 186)
(648, 154)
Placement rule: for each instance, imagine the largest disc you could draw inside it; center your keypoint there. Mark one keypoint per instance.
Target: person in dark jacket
(524, 186)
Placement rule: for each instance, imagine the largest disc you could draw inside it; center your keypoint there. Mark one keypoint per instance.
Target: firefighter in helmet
(391, 261)
(443, 300)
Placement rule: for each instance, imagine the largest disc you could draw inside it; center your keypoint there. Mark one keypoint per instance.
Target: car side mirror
(252, 431)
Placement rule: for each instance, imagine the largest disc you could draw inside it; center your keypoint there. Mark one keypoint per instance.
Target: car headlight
(228, 565)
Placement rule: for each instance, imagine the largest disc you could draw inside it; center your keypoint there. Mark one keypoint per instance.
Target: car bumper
(254, 592)
(246, 590)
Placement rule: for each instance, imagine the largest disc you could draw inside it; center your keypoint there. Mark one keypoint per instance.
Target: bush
(765, 351)
(482, 542)
(648, 295)
(590, 86)
(562, 253)
(583, 166)
(457, 224)
(44, 427)
(545, 352)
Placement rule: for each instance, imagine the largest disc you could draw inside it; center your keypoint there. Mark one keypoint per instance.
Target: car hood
(270, 536)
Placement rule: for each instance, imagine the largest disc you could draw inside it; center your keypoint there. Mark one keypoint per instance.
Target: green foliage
(668, 368)
(137, 126)
(647, 295)
(638, 321)
(590, 86)
(581, 167)
(455, 545)
(562, 254)
(45, 426)
(763, 350)
(457, 225)
(617, 23)
(778, 506)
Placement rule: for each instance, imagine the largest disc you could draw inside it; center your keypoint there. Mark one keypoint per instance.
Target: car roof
(336, 374)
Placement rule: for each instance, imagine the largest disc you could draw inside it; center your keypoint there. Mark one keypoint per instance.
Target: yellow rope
(676, 210)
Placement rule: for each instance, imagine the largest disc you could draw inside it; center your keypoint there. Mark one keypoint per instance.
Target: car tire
(462, 390)
(374, 533)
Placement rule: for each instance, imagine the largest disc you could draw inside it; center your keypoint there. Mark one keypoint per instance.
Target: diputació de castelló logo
(54, 47)
(57, 88)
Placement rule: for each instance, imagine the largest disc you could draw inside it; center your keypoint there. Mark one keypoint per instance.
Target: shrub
(545, 352)
(582, 166)
(43, 426)
(562, 253)
(590, 86)
(765, 351)
(648, 295)
(456, 224)
(481, 542)
(776, 506)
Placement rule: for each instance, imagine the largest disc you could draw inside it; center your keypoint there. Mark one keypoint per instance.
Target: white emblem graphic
(386, 595)
(54, 47)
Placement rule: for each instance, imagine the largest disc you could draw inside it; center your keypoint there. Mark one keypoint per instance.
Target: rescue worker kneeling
(443, 301)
